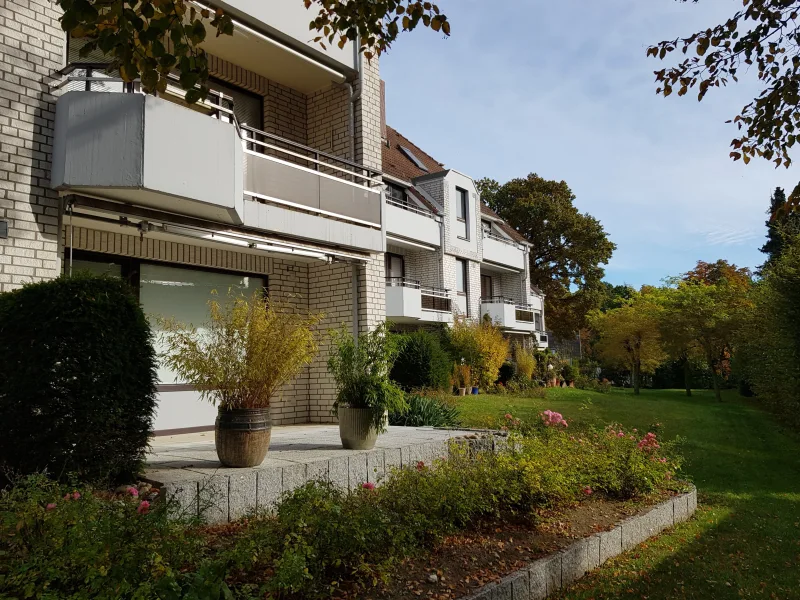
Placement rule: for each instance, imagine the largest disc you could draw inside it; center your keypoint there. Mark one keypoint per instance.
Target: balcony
(505, 313)
(502, 251)
(159, 153)
(407, 301)
(410, 222)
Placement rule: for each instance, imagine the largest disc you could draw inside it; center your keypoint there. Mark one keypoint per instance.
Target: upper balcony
(503, 251)
(408, 221)
(507, 314)
(159, 153)
(407, 301)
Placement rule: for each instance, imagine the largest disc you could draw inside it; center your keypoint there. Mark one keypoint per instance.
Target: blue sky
(564, 89)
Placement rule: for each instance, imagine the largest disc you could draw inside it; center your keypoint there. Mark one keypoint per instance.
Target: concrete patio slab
(187, 468)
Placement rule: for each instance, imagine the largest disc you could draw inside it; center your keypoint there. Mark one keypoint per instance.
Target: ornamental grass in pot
(364, 392)
(238, 360)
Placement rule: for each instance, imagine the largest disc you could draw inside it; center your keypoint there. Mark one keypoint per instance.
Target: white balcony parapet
(502, 251)
(407, 301)
(407, 221)
(509, 315)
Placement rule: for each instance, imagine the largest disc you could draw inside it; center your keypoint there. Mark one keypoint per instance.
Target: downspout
(354, 278)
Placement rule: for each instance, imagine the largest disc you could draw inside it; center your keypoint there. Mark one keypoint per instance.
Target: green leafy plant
(421, 362)
(461, 376)
(482, 347)
(78, 381)
(244, 353)
(526, 363)
(361, 371)
(427, 410)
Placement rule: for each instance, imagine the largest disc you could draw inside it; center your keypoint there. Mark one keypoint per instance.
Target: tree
(678, 338)
(630, 337)
(568, 250)
(763, 33)
(781, 226)
(149, 39)
(707, 307)
(616, 295)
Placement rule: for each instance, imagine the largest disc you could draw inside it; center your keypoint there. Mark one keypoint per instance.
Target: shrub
(568, 372)
(66, 542)
(526, 363)
(427, 410)
(462, 376)
(248, 349)
(422, 363)
(506, 372)
(361, 372)
(78, 380)
(590, 383)
(482, 346)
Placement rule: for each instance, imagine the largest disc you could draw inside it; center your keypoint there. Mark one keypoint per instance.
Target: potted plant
(569, 373)
(462, 378)
(364, 392)
(238, 360)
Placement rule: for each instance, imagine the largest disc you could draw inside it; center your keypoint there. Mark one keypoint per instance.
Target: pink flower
(420, 465)
(621, 434)
(509, 416)
(50, 506)
(144, 507)
(67, 497)
(588, 491)
(368, 485)
(663, 461)
(133, 491)
(76, 495)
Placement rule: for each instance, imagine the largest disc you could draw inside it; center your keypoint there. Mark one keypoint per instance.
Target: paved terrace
(187, 469)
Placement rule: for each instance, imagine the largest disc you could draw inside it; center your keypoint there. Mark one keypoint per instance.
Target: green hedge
(422, 363)
(78, 380)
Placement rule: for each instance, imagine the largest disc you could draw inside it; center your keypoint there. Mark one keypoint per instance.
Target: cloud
(565, 90)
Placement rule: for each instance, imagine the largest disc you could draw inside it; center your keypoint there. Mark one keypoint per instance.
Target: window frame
(462, 205)
(388, 260)
(463, 266)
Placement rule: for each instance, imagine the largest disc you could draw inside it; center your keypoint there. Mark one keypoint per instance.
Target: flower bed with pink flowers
(323, 541)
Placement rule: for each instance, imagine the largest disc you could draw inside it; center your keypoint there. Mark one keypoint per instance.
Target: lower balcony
(407, 301)
(505, 313)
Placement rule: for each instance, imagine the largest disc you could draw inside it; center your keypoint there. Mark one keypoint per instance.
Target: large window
(487, 287)
(462, 213)
(169, 291)
(461, 276)
(397, 194)
(395, 267)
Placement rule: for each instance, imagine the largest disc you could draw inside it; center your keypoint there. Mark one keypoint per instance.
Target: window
(487, 287)
(395, 266)
(412, 157)
(397, 194)
(461, 276)
(462, 213)
(537, 317)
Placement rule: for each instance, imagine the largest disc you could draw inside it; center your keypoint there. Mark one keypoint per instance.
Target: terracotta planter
(356, 429)
(242, 436)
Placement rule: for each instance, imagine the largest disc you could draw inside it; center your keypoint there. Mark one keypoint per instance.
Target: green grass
(744, 541)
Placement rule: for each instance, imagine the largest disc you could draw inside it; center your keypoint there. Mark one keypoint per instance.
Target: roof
(510, 231)
(398, 164)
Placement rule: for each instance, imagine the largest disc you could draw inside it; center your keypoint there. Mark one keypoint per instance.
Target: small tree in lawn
(708, 305)
(630, 337)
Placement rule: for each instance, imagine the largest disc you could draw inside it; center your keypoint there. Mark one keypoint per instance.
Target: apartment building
(272, 183)
(448, 254)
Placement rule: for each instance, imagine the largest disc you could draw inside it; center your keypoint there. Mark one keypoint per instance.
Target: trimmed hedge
(422, 363)
(78, 379)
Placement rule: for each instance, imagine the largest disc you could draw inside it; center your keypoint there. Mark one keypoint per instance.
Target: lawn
(745, 539)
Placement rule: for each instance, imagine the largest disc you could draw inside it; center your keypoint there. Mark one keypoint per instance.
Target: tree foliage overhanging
(149, 39)
(569, 247)
(763, 37)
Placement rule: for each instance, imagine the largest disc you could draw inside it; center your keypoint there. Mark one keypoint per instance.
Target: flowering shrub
(553, 419)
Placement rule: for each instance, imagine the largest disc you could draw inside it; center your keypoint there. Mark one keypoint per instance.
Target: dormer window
(462, 213)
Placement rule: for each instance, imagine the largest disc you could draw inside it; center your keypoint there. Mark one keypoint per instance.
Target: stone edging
(548, 575)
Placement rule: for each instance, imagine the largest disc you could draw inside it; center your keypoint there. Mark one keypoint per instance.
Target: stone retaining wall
(548, 575)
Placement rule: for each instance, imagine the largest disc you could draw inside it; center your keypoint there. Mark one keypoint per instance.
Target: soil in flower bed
(464, 562)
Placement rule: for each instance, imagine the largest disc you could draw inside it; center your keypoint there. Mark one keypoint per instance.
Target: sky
(564, 89)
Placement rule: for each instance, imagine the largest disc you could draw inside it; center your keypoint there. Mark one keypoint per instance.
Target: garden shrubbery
(78, 380)
(421, 362)
(57, 546)
(428, 409)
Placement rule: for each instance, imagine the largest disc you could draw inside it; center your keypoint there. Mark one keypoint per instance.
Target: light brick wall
(369, 149)
(31, 48)
(422, 265)
(328, 121)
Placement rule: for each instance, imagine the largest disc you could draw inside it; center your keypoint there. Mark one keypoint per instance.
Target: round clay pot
(242, 436)
(356, 429)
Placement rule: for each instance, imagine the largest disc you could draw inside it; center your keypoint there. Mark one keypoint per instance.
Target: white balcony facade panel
(412, 226)
(437, 316)
(501, 253)
(403, 304)
(504, 315)
(148, 152)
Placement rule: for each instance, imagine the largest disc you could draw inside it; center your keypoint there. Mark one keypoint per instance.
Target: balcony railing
(497, 300)
(500, 238)
(524, 314)
(436, 299)
(411, 207)
(402, 282)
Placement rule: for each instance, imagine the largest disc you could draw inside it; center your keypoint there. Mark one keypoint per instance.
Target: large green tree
(149, 39)
(762, 37)
(782, 226)
(569, 247)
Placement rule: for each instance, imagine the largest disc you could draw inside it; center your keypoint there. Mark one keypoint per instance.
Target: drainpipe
(354, 278)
